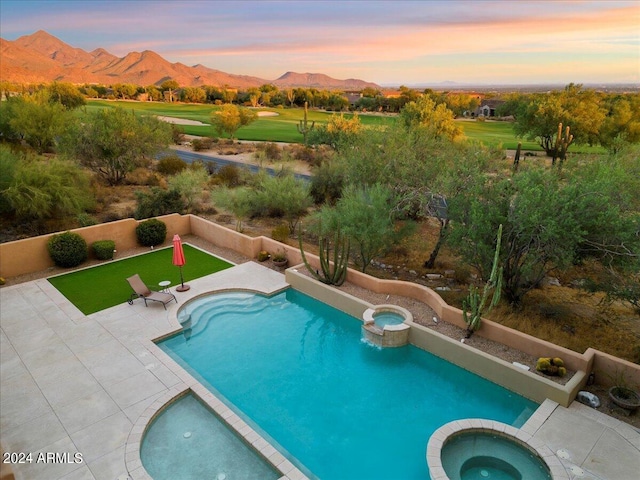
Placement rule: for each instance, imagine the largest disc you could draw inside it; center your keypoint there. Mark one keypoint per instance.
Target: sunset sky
(387, 42)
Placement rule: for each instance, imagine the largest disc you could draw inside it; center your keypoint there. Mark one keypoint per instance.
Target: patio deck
(78, 384)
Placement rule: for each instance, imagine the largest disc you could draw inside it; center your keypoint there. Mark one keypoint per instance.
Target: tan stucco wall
(31, 254)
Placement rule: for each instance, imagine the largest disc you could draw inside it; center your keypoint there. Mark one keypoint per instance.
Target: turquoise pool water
(388, 318)
(479, 456)
(188, 442)
(297, 369)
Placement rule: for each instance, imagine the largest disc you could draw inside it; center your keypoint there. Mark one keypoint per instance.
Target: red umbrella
(179, 261)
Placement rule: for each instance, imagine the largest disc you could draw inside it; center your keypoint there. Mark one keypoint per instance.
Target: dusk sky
(387, 42)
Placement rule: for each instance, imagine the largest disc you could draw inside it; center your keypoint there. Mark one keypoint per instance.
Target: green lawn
(279, 128)
(283, 127)
(94, 289)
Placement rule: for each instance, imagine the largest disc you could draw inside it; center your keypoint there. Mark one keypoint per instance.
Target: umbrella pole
(182, 287)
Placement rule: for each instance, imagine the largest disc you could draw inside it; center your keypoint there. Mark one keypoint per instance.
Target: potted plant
(279, 259)
(624, 397)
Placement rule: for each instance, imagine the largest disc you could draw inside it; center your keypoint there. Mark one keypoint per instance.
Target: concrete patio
(78, 384)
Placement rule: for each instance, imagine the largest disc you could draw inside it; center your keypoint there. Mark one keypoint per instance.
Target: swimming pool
(297, 370)
(188, 442)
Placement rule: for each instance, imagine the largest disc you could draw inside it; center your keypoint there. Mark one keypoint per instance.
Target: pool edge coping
(447, 431)
(189, 385)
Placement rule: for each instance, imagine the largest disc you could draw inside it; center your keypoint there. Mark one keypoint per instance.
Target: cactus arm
(473, 307)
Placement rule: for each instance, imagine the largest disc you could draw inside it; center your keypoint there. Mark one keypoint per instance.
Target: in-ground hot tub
(384, 325)
(481, 449)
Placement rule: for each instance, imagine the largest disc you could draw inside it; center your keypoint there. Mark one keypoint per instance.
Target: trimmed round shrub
(67, 249)
(103, 249)
(151, 232)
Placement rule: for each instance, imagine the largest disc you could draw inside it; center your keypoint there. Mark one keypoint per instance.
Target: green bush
(68, 249)
(103, 249)
(151, 232)
(229, 175)
(327, 183)
(158, 202)
(171, 165)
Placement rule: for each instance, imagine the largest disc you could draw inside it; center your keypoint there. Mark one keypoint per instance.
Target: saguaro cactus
(332, 272)
(303, 126)
(516, 159)
(563, 141)
(473, 307)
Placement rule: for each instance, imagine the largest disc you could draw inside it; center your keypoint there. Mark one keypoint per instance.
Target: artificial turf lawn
(94, 289)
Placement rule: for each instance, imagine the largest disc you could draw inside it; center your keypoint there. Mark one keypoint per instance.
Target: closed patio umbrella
(179, 261)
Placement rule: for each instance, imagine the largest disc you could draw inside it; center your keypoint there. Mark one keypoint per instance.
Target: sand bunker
(181, 121)
(268, 114)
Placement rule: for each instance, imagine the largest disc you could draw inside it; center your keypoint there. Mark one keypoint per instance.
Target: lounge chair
(141, 290)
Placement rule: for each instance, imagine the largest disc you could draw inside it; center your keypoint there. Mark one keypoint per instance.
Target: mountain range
(43, 58)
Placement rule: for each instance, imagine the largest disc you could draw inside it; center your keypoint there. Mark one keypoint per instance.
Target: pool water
(388, 318)
(187, 441)
(297, 370)
(486, 456)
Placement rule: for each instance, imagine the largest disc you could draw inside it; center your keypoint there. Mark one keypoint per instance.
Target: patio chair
(144, 292)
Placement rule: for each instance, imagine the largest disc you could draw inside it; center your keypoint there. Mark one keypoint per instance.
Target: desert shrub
(272, 151)
(103, 249)
(67, 249)
(86, 220)
(327, 183)
(151, 232)
(143, 177)
(177, 134)
(229, 175)
(189, 183)
(263, 255)
(307, 154)
(171, 165)
(201, 144)
(158, 202)
(280, 233)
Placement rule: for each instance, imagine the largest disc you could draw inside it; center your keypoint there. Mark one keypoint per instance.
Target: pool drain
(187, 434)
(484, 473)
(221, 476)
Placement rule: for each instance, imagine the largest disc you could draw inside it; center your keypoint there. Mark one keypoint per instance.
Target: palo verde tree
(365, 215)
(170, 86)
(549, 222)
(35, 189)
(229, 118)
(539, 115)
(621, 127)
(437, 120)
(113, 142)
(36, 119)
(67, 94)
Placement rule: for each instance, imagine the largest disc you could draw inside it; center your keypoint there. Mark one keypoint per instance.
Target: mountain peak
(24, 61)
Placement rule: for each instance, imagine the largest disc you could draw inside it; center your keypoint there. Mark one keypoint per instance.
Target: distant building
(488, 108)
